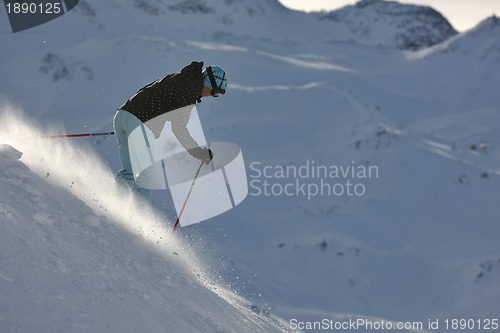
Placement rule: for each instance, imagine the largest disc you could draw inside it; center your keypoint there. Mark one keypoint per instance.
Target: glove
(203, 154)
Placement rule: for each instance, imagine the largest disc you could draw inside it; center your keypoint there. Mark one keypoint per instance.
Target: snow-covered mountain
(368, 22)
(387, 23)
(331, 90)
(481, 43)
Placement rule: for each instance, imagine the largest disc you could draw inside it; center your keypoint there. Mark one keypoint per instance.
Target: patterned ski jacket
(153, 104)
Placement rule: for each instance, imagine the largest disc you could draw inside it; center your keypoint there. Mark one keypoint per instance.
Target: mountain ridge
(415, 26)
(368, 22)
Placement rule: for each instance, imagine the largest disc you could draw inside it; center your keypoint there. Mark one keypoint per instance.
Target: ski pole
(185, 201)
(76, 135)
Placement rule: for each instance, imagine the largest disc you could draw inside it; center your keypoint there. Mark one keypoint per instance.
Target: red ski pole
(76, 135)
(185, 201)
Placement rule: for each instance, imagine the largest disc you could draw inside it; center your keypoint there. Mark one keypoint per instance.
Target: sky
(462, 14)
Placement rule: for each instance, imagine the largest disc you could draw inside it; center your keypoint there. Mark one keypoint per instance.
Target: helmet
(215, 77)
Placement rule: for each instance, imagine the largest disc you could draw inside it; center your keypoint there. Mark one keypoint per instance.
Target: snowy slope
(101, 262)
(419, 244)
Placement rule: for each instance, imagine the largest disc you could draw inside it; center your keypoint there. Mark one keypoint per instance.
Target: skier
(171, 92)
